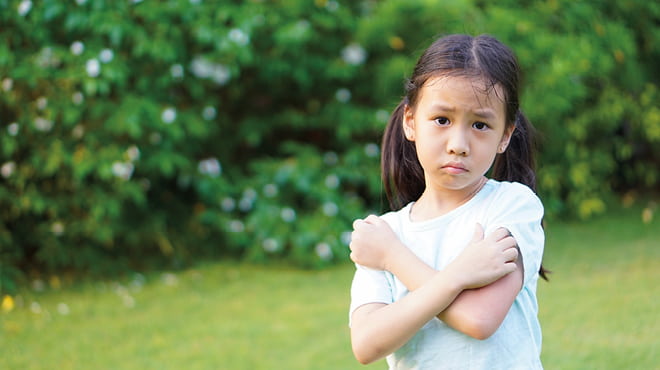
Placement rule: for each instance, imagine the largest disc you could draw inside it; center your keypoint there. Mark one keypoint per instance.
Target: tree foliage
(138, 133)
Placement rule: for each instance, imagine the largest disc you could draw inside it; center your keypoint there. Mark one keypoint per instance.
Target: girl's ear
(408, 123)
(506, 138)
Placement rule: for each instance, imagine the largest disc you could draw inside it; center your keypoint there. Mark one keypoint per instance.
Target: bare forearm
(378, 330)
(467, 312)
(408, 268)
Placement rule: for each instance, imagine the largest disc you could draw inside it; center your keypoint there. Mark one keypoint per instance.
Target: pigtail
(401, 172)
(517, 162)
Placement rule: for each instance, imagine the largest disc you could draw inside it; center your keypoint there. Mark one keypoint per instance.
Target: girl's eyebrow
(484, 113)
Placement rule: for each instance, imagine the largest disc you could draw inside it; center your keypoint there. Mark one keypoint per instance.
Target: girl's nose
(458, 143)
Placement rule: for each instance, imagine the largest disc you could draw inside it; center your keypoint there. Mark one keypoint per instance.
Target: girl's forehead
(476, 87)
(477, 83)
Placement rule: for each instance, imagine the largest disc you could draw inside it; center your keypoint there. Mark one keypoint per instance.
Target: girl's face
(458, 127)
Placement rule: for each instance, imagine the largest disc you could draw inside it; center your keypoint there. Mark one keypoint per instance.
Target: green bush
(140, 133)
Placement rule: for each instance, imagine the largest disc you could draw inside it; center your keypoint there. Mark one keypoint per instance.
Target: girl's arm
(379, 329)
(476, 312)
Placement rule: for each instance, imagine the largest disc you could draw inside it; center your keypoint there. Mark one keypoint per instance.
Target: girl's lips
(454, 168)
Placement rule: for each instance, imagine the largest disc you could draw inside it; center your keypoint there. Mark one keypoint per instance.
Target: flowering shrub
(138, 133)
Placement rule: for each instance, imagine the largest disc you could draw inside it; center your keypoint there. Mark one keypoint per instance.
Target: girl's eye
(480, 126)
(441, 121)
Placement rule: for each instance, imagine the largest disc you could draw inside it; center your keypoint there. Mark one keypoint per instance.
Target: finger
(507, 242)
(510, 254)
(510, 267)
(478, 233)
(372, 219)
(499, 234)
(357, 223)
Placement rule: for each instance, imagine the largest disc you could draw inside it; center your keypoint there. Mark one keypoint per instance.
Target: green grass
(599, 311)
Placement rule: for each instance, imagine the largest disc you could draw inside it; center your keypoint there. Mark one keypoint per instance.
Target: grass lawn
(600, 311)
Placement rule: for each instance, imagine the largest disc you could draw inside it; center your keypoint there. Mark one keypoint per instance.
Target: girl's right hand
(485, 260)
(374, 244)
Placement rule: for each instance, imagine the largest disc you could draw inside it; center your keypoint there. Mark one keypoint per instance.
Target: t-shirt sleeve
(520, 211)
(369, 286)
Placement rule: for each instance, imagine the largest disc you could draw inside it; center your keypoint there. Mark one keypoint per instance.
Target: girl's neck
(437, 202)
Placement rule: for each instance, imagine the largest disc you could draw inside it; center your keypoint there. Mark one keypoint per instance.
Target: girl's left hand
(373, 243)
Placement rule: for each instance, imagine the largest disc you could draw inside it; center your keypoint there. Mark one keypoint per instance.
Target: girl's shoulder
(513, 195)
(511, 189)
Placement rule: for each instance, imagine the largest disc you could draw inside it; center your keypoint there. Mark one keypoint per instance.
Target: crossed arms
(472, 294)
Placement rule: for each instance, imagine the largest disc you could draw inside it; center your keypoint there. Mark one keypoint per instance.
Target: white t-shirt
(517, 342)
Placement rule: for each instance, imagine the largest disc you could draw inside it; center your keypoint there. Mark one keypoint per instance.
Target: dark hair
(459, 55)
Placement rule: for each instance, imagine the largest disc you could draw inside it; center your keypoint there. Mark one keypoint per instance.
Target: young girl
(430, 291)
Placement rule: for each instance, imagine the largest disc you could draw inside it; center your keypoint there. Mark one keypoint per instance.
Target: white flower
(236, 226)
(332, 5)
(77, 98)
(42, 103)
(7, 84)
(78, 131)
(270, 190)
(209, 113)
(169, 279)
(46, 58)
(343, 95)
(249, 197)
(330, 209)
(35, 307)
(210, 167)
(324, 251)
(354, 54)
(24, 7)
(201, 67)
(63, 309)
(106, 55)
(228, 204)
(176, 71)
(220, 74)
(169, 115)
(77, 48)
(270, 245)
(250, 193)
(239, 37)
(57, 228)
(371, 150)
(245, 204)
(123, 170)
(332, 181)
(12, 129)
(43, 124)
(133, 153)
(288, 214)
(93, 68)
(8, 169)
(330, 158)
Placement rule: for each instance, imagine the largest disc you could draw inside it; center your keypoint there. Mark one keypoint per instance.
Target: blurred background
(147, 135)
